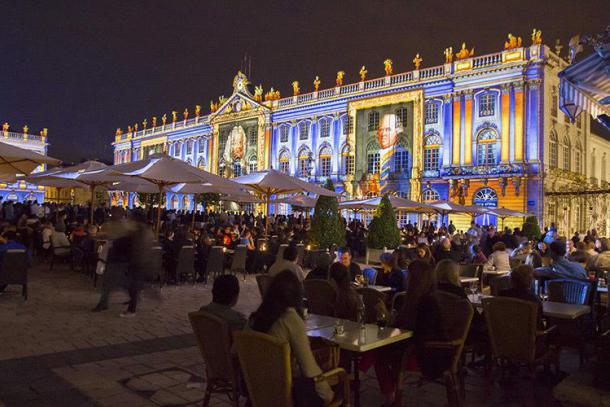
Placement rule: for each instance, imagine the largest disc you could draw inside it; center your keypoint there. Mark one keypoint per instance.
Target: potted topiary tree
(327, 228)
(531, 228)
(383, 233)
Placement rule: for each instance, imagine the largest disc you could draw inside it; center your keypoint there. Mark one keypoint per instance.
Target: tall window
(554, 101)
(373, 121)
(325, 162)
(284, 162)
(177, 149)
(222, 167)
(486, 147)
(487, 104)
(578, 158)
(303, 131)
(348, 163)
(431, 113)
(401, 161)
(237, 169)
(284, 133)
(304, 158)
(252, 136)
(347, 124)
(432, 144)
(189, 147)
(553, 150)
(252, 164)
(324, 128)
(401, 117)
(201, 146)
(373, 164)
(567, 162)
(430, 195)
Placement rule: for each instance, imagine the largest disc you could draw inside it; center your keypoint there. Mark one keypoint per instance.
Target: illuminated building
(475, 130)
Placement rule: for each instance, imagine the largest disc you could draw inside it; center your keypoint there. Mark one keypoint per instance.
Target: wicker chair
(321, 295)
(14, 270)
(569, 291)
(263, 281)
(398, 301)
(272, 356)
(512, 327)
(370, 274)
(214, 340)
(185, 270)
(497, 284)
(156, 263)
(371, 299)
(456, 316)
(238, 263)
(215, 266)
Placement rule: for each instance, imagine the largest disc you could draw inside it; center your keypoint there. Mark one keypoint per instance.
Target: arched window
(304, 162)
(252, 136)
(373, 158)
(553, 150)
(324, 162)
(578, 157)
(252, 164)
(432, 146)
(348, 163)
(186, 202)
(401, 156)
(303, 130)
(284, 161)
(201, 163)
(567, 146)
(430, 195)
(486, 147)
(324, 127)
(485, 197)
(174, 202)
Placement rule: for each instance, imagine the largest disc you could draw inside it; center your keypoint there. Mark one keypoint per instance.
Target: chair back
(15, 266)
(568, 291)
(468, 270)
(186, 261)
(370, 274)
(156, 263)
(511, 324)
(398, 301)
(457, 316)
(321, 295)
(300, 254)
(272, 356)
(214, 339)
(215, 264)
(371, 298)
(497, 284)
(263, 281)
(239, 259)
(280, 251)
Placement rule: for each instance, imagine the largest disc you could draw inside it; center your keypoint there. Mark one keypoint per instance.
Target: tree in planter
(531, 228)
(149, 200)
(326, 226)
(383, 231)
(207, 199)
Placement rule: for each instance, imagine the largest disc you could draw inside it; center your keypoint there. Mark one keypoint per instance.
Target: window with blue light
(401, 117)
(431, 113)
(284, 134)
(487, 104)
(373, 163)
(373, 121)
(324, 128)
(401, 161)
(303, 131)
(486, 147)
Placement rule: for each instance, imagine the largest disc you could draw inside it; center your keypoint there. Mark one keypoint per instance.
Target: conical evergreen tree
(326, 226)
(383, 231)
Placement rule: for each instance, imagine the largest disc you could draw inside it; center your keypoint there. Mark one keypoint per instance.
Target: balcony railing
(22, 137)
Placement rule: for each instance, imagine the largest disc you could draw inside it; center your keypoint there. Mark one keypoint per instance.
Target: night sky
(84, 68)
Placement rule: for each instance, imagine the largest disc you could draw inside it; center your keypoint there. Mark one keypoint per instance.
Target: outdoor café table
(380, 288)
(550, 309)
(354, 340)
(468, 280)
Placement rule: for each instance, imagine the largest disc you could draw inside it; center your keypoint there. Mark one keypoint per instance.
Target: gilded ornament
(221, 100)
(340, 76)
(258, 93)
(45, 131)
(449, 55)
(144, 124)
(363, 73)
(513, 42)
(464, 53)
(118, 131)
(154, 121)
(536, 37)
(5, 127)
(174, 116)
(558, 47)
(295, 88)
(387, 66)
(417, 61)
(25, 129)
(316, 83)
(185, 114)
(129, 129)
(164, 119)
(135, 127)
(197, 110)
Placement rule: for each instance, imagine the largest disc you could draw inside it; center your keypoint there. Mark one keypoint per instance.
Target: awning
(585, 86)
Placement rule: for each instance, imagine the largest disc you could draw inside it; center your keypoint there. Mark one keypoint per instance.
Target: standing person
(451, 228)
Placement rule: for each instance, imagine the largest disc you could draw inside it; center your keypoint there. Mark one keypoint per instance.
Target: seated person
(225, 294)
(448, 278)
(288, 262)
(498, 259)
(346, 258)
(521, 279)
(391, 275)
(60, 242)
(561, 267)
(320, 272)
(446, 250)
(348, 300)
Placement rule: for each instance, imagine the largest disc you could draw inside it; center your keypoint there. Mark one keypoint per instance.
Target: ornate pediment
(240, 102)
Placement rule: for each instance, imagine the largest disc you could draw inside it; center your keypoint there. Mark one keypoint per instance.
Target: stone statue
(340, 76)
(25, 129)
(154, 121)
(5, 127)
(295, 88)
(449, 55)
(463, 53)
(536, 37)
(316, 84)
(417, 61)
(258, 93)
(513, 42)
(185, 114)
(164, 119)
(387, 66)
(197, 110)
(363, 73)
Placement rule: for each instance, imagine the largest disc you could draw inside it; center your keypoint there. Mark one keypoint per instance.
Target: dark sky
(83, 68)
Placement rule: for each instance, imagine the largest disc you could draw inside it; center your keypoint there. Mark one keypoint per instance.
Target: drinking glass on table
(382, 319)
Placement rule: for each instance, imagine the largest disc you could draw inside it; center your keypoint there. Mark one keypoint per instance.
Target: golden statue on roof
(144, 124)
(185, 114)
(513, 42)
(5, 127)
(295, 88)
(417, 61)
(135, 127)
(118, 132)
(221, 100)
(258, 93)
(536, 37)
(449, 55)
(340, 76)
(154, 121)
(213, 106)
(463, 53)
(363, 73)
(240, 82)
(45, 131)
(387, 66)
(25, 129)
(316, 83)
(129, 129)
(197, 110)
(164, 119)
(174, 116)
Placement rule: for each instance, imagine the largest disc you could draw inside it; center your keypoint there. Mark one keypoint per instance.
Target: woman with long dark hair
(281, 315)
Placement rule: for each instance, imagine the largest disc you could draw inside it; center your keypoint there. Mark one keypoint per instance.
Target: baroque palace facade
(480, 130)
(21, 191)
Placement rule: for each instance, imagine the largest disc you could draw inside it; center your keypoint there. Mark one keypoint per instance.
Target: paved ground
(55, 352)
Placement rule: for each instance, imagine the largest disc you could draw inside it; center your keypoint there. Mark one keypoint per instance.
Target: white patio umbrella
(504, 213)
(397, 203)
(271, 182)
(303, 201)
(20, 161)
(164, 172)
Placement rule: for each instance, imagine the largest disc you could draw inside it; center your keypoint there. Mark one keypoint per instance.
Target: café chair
(513, 333)
(371, 298)
(300, 254)
(238, 264)
(370, 274)
(498, 284)
(61, 249)
(15, 265)
(263, 281)
(185, 269)
(321, 296)
(215, 266)
(221, 368)
(156, 264)
(272, 356)
(280, 251)
(568, 291)
(398, 301)
(456, 316)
